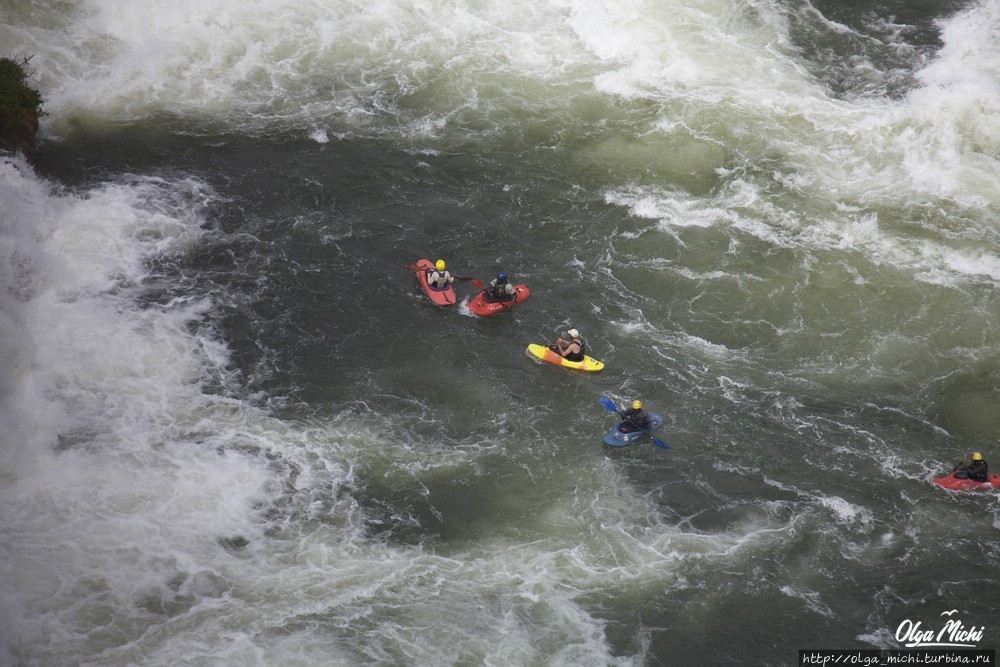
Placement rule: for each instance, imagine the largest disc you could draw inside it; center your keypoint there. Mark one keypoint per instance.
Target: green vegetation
(15, 93)
(20, 107)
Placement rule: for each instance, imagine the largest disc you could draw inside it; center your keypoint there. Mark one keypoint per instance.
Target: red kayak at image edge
(480, 306)
(442, 297)
(961, 484)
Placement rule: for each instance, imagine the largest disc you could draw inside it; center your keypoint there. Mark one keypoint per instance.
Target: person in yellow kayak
(439, 277)
(977, 471)
(635, 419)
(572, 349)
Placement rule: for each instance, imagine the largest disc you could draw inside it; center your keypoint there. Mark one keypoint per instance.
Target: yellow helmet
(636, 405)
(439, 265)
(977, 457)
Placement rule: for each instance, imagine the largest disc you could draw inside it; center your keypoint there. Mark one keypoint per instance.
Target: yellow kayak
(545, 354)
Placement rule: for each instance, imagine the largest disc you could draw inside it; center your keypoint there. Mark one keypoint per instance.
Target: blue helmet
(502, 277)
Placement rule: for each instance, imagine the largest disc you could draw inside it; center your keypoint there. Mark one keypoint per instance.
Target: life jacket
(498, 291)
(978, 471)
(636, 419)
(577, 356)
(441, 275)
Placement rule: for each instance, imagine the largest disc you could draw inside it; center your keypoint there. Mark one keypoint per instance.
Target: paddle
(959, 464)
(610, 406)
(659, 443)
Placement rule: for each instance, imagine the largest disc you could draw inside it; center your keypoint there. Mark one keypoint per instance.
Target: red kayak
(480, 306)
(960, 484)
(442, 297)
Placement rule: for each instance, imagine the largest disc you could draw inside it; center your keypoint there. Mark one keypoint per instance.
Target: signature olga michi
(954, 633)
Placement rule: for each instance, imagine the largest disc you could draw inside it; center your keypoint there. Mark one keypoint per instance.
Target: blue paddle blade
(659, 443)
(609, 405)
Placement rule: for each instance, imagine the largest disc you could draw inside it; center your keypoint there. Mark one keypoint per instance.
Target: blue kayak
(616, 438)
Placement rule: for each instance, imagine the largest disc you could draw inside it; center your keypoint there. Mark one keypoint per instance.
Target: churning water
(234, 431)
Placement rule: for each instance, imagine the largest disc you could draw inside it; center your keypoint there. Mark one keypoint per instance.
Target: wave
(417, 70)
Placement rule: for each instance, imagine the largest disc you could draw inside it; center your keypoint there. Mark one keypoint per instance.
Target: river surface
(235, 431)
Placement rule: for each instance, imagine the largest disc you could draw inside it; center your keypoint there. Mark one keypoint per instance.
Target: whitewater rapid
(235, 433)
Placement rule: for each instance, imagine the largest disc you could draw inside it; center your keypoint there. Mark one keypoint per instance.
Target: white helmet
(573, 333)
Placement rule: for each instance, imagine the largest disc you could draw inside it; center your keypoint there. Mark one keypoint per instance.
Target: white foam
(670, 209)
(118, 473)
(306, 63)
(812, 600)
(847, 512)
(939, 144)
(961, 90)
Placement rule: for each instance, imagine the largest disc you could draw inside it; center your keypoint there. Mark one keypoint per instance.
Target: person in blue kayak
(977, 471)
(572, 349)
(439, 277)
(635, 419)
(499, 289)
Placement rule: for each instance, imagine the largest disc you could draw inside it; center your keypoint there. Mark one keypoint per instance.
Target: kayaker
(977, 471)
(572, 349)
(499, 289)
(635, 419)
(439, 277)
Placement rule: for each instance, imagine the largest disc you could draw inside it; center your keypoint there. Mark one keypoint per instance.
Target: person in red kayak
(439, 277)
(499, 289)
(977, 471)
(572, 349)
(635, 419)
